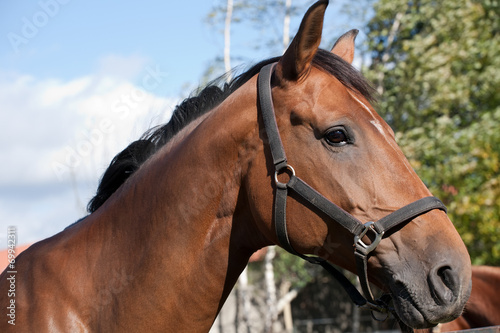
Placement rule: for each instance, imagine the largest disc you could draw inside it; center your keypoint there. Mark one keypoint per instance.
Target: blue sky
(77, 35)
(79, 80)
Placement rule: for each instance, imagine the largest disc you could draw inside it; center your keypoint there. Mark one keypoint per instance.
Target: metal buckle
(361, 246)
(278, 183)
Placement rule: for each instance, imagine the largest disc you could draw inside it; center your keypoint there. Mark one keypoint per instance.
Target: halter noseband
(337, 214)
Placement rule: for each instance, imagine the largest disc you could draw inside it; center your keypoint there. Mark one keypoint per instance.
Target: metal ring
(361, 246)
(278, 183)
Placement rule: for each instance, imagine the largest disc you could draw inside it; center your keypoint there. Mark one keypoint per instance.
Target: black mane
(131, 158)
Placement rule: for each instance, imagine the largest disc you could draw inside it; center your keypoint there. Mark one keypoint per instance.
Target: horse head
(340, 147)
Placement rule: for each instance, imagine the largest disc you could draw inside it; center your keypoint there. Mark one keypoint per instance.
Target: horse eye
(336, 137)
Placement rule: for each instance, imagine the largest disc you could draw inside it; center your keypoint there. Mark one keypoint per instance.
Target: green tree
(443, 60)
(437, 64)
(462, 167)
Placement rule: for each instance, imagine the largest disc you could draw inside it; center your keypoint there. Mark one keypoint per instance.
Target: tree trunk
(245, 299)
(285, 304)
(385, 57)
(286, 25)
(271, 313)
(227, 38)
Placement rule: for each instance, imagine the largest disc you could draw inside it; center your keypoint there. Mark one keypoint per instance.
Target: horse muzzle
(426, 302)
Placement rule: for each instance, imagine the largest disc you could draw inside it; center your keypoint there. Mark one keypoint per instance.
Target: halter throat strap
(357, 228)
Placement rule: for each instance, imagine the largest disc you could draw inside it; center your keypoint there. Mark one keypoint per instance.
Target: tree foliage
(440, 74)
(462, 167)
(445, 53)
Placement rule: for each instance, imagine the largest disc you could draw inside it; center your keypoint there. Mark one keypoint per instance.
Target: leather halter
(357, 228)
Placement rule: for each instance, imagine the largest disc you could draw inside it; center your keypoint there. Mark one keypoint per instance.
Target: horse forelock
(134, 155)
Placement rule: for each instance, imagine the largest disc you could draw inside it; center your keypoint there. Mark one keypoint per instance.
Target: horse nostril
(444, 285)
(445, 274)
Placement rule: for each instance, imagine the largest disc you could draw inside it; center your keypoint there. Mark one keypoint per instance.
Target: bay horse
(179, 212)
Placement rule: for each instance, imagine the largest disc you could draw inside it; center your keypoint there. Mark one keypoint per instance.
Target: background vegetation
(437, 68)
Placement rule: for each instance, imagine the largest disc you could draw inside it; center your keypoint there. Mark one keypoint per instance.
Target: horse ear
(344, 46)
(297, 59)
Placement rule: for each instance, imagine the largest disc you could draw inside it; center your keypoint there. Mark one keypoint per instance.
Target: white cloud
(55, 92)
(124, 67)
(56, 139)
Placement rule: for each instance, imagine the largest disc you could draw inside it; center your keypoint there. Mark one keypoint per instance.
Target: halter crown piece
(357, 228)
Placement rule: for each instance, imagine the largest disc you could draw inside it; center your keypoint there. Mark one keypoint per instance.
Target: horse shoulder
(38, 277)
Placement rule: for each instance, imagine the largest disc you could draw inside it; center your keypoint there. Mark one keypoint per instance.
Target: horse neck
(181, 223)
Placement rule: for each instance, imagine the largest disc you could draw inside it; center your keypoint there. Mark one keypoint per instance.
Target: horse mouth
(408, 309)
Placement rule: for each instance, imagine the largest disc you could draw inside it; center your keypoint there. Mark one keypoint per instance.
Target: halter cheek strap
(357, 228)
